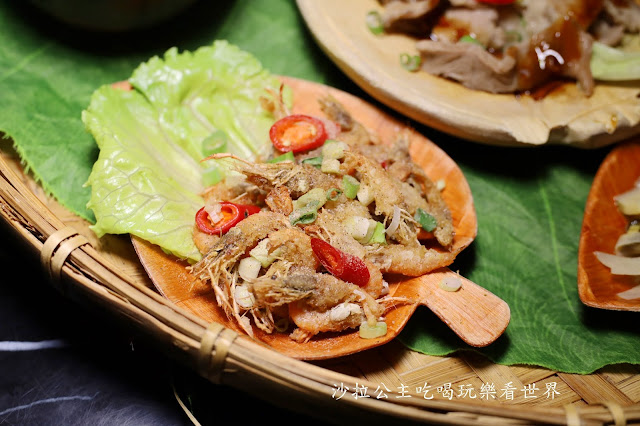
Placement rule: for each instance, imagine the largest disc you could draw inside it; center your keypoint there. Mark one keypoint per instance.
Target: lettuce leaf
(612, 64)
(148, 177)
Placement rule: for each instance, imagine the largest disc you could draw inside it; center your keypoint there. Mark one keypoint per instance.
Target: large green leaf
(530, 206)
(529, 201)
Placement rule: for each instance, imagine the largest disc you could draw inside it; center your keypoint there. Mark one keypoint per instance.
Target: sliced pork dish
(508, 46)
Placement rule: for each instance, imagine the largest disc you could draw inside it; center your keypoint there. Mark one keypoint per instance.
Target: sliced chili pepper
(297, 133)
(231, 214)
(249, 209)
(340, 264)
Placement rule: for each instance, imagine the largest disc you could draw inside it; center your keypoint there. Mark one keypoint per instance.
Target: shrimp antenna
(221, 155)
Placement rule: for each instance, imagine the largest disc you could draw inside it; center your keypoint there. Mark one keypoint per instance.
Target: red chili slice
(340, 264)
(297, 133)
(231, 214)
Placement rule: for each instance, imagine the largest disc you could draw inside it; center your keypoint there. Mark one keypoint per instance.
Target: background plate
(601, 227)
(565, 116)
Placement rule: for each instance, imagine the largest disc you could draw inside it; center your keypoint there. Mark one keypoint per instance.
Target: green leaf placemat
(529, 201)
(530, 205)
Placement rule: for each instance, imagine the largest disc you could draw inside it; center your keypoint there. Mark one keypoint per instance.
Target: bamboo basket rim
(224, 357)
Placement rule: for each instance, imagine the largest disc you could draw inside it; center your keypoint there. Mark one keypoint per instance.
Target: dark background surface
(90, 370)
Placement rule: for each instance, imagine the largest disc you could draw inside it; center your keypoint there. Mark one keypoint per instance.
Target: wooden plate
(565, 116)
(172, 279)
(601, 227)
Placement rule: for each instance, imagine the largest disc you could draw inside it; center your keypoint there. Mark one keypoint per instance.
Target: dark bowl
(112, 15)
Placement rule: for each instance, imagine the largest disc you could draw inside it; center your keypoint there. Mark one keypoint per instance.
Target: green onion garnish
(410, 62)
(374, 22)
(215, 143)
(303, 216)
(350, 185)
(313, 199)
(313, 161)
(333, 194)
(379, 235)
(426, 221)
(469, 39)
(287, 156)
(513, 36)
(367, 331)
(211, 175)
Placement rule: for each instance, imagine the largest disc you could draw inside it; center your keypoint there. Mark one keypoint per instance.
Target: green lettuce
(613, 64)
(148, 177)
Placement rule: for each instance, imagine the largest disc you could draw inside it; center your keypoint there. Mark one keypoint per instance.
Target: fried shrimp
(334, 306)
(412, 261)
(297, 178)
(219, 265)
(417, 188)
(351, 131)
(332, 222)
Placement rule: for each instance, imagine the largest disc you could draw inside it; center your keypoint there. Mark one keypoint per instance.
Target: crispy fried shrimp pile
(335, 216)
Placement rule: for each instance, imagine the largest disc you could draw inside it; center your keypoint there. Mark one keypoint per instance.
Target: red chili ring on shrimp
(341, 265)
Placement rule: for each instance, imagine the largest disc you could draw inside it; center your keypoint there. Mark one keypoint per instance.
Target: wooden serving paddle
(473, 313)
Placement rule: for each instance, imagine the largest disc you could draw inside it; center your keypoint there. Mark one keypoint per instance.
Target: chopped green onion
(249, 268)
(469, 39)
(378, 236)
(313, 161)
(244, 297)
(334, 149)
(513, 36)
(350, 185)
(215, 143)
(333, 194)
(313, 199)
(374, 22)
(371, 332)
(303, 216)
(330, 165)
(450, 283)
(410, 62)
(357, 226)
(287, 156)
(306, 211)
(365, 195)
(426, 221)
(211, 175)
(371, 227)
(261, 253)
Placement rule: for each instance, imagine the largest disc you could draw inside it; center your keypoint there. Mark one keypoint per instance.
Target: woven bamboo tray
(376, 386)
